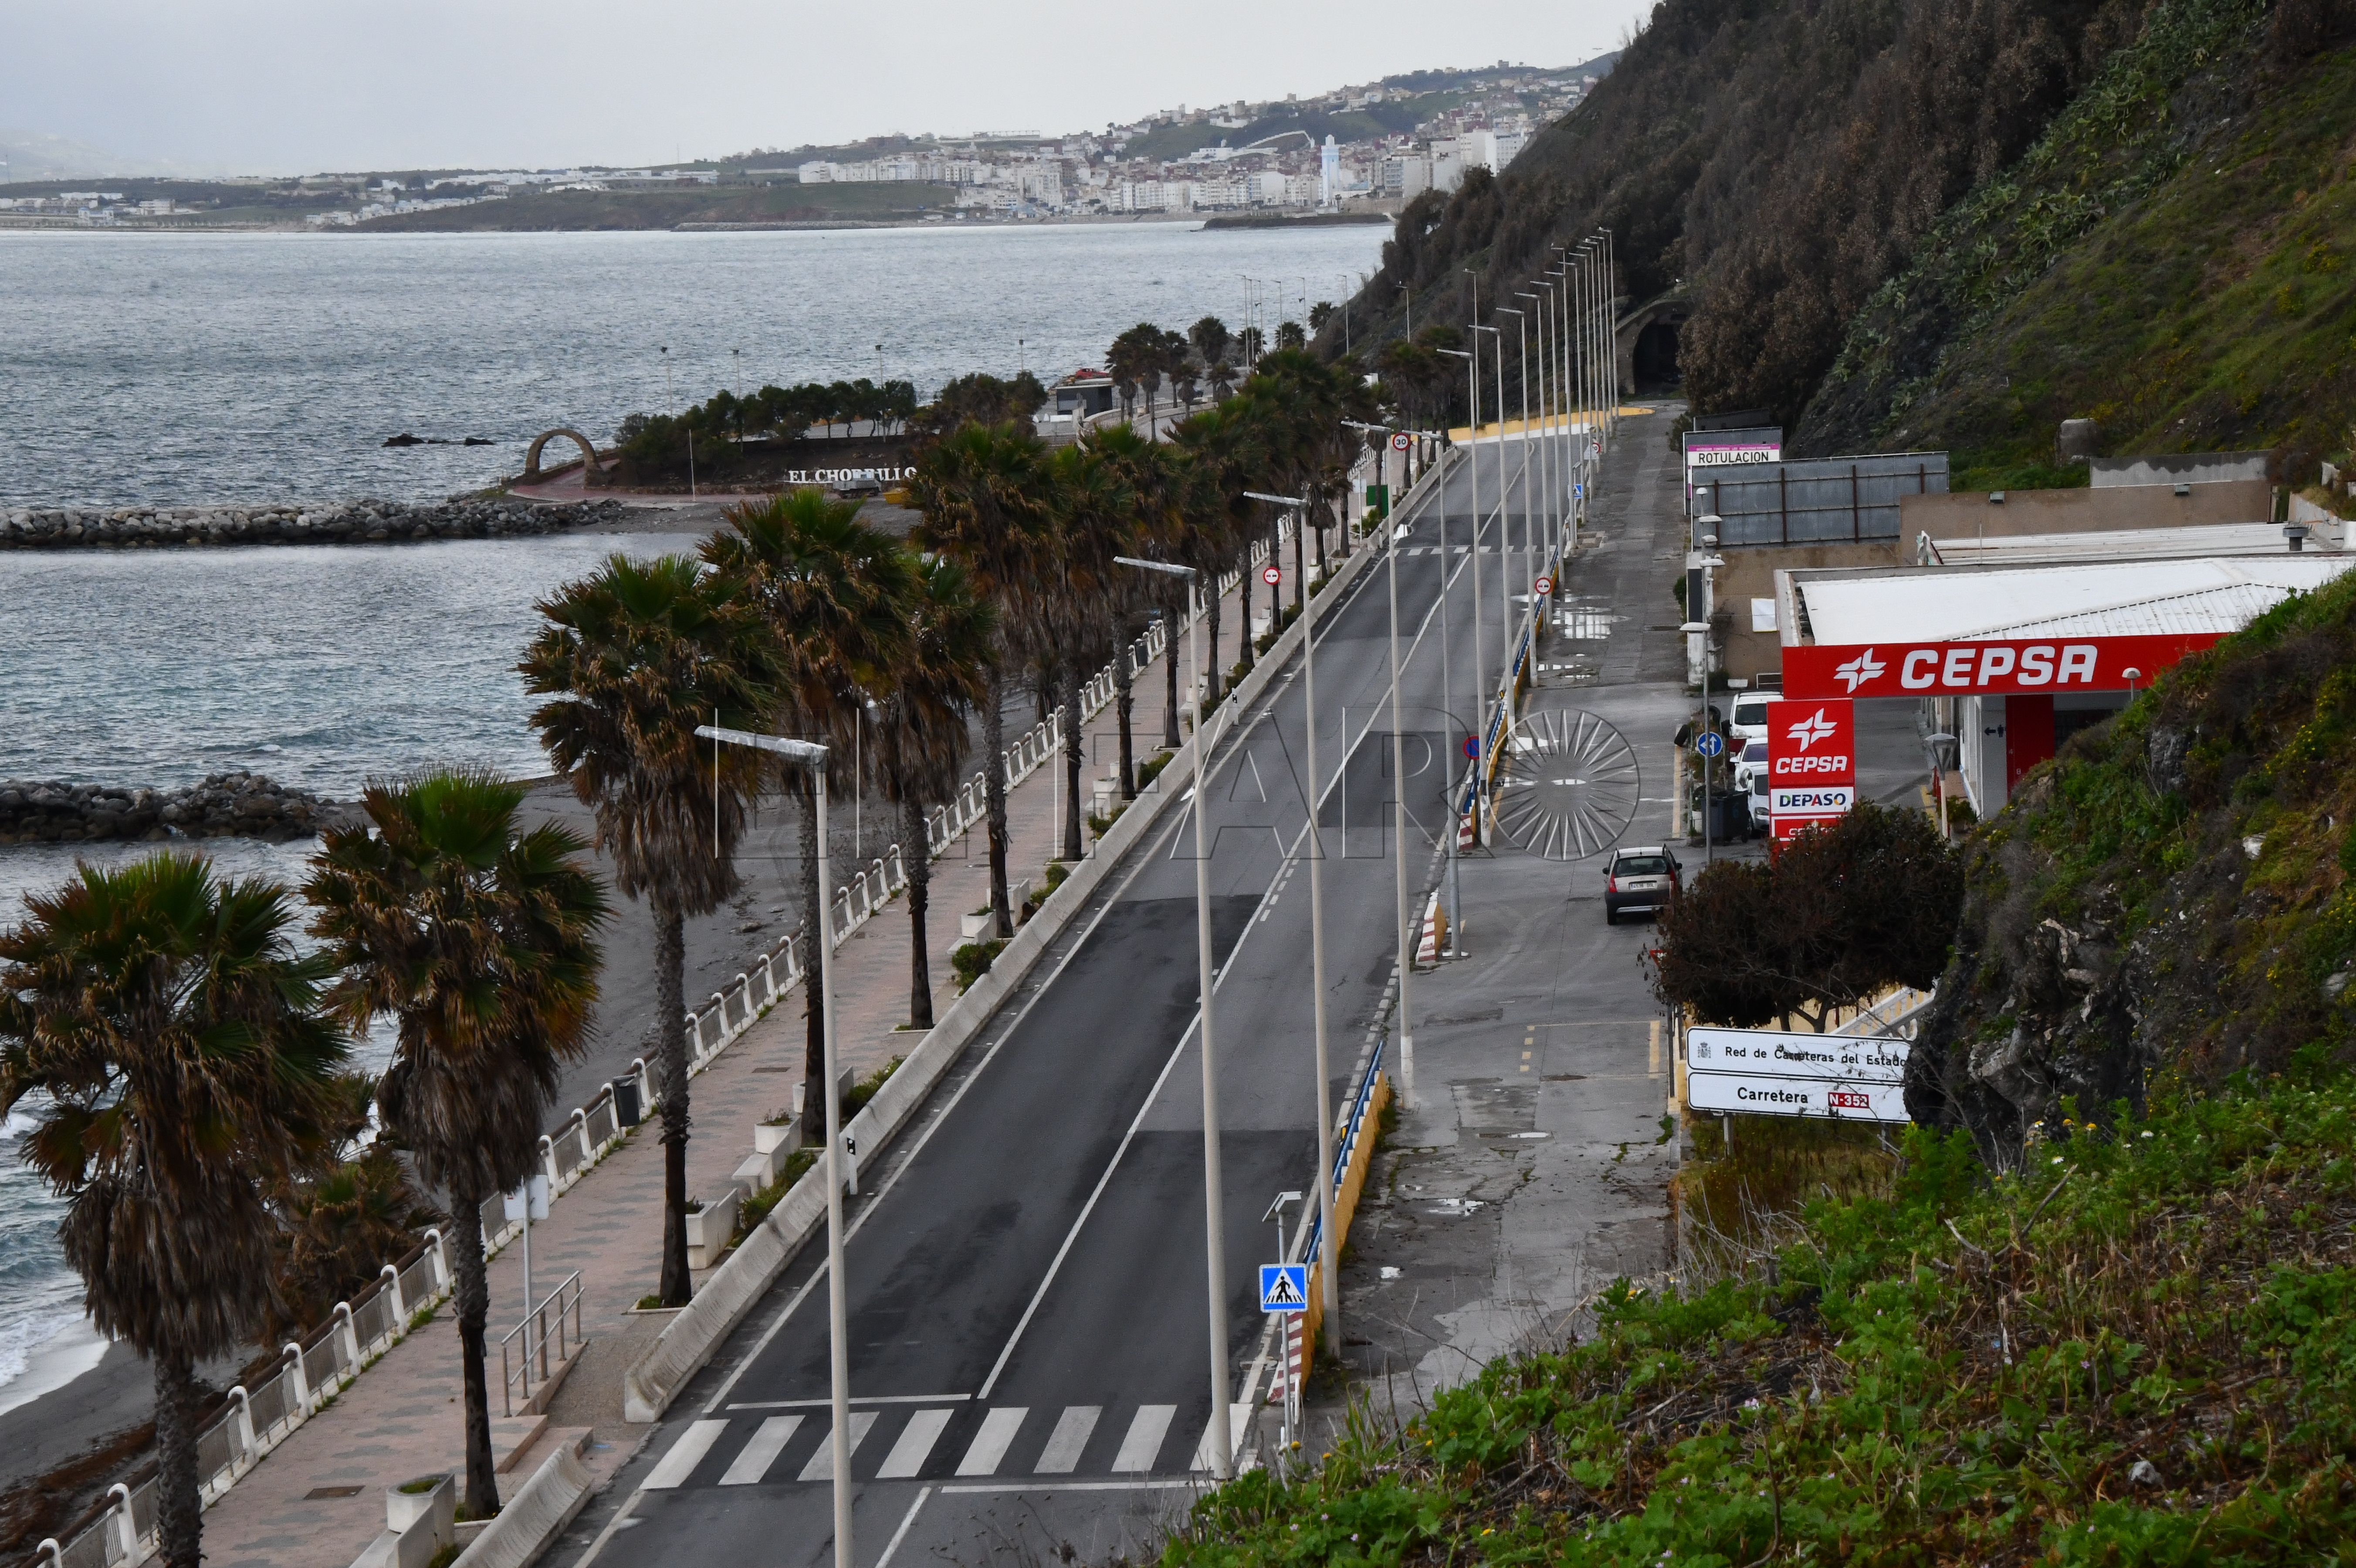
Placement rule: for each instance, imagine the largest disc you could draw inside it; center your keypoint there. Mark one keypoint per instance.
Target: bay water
(190, 369)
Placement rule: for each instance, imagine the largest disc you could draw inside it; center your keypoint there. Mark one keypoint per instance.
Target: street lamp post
(1399, 827)
(1504, 628)
(1542, 550)
(1522, 363)
(813, 756)
(1332, 1243)
(1213, 1198)
(1447, 675)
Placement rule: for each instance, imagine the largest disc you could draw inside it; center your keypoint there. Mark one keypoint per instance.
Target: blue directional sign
(1709, 743)
(1284, 1287)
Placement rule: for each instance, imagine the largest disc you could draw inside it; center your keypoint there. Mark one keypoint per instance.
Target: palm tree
(832, 594)
(633, 658)
(478, 940)
(921, 733)
(980, 490)
(185, 1071)
(1148, 472)
(1092, 511)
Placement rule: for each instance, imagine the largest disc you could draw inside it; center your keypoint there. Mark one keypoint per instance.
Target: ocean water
(189, 368)
(192, 368)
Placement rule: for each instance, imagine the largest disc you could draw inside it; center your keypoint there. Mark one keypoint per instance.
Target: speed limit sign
(1271, 575)
(1401, 441)
(1544, 585)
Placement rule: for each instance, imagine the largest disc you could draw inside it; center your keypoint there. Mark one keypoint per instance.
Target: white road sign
(1759, 1095)
(1271, 575)
(1865, 1058)
(1401, 441)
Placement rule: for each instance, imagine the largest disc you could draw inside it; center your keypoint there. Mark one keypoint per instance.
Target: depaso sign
(1975, 668)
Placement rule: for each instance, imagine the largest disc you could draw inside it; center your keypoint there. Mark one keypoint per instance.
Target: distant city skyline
(273, 87)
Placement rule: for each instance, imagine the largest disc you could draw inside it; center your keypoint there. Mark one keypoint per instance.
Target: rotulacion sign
(1771, 1072)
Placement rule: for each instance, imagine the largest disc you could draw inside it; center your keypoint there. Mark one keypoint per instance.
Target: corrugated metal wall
(1818, 499)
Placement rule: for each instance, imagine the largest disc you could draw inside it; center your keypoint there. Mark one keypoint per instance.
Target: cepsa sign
(1811, 761)
(2014, 664)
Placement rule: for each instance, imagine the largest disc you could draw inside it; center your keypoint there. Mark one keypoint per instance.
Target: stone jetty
(243, 805)
(342, 522)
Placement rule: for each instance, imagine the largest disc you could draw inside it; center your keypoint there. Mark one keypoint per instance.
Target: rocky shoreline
(342, 522)
(241, 805)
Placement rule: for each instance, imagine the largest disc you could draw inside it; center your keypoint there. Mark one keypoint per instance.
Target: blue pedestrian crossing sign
(1284, 1287)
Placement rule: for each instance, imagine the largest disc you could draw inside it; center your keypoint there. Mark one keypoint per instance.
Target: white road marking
(1239, 1418)
(1142, 1446)
(685, 1454)
(915, 1445)
(990, 1444)
(761, 1452)
(1071, 1434)
(902, 1534)
(821, 1464)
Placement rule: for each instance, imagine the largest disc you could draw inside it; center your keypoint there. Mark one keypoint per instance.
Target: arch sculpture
(531, 454)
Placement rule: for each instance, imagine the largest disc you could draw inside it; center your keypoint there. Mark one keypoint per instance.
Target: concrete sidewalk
(402, 1418)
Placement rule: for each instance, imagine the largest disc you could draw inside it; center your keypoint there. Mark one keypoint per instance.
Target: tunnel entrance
(1655, 367)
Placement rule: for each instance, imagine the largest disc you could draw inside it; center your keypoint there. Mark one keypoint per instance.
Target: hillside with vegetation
(2100, 1310)
(1951, 222)
(2170, 261)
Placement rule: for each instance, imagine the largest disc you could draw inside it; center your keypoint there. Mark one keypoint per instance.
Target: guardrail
(543, 1327)
(255, 1421)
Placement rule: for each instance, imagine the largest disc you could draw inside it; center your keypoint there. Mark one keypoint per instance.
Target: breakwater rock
(242, 806)
(343, 522)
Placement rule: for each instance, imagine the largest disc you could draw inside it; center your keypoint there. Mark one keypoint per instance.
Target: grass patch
(864, 1090)
(2134, 1348)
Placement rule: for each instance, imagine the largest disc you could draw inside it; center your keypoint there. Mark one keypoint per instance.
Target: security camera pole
(812, 756)
(1223, 1462)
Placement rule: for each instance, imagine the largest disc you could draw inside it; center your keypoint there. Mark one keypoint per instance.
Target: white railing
(1896, 1015)
(255, 1421)
(524, 1350)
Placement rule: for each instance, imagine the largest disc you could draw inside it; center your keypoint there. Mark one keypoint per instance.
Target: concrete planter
(778, 1140)
(402, 1509)
(710, 1228)
(974, 927)
(759, 1169)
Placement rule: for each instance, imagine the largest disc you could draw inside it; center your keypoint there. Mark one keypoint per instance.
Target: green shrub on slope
(2132, 1348)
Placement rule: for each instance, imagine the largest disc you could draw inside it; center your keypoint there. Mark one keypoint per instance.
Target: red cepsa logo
(1811, 742)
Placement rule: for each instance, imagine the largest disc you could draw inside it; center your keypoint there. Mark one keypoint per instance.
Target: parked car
(1749, 762)
(1761, 820)
(1750, 721)
(1643, 876)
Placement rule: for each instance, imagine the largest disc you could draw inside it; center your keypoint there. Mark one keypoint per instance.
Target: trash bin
(627, 1109)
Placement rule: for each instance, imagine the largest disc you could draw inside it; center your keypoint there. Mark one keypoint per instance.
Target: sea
(190, 370)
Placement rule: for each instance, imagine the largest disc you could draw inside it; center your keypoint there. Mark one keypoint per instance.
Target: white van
(1749, 721)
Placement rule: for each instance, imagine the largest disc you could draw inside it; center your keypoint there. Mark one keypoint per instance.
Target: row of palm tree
(183, 1062)
(183, 1057)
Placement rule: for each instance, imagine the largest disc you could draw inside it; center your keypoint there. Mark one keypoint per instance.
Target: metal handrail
(545, 1325)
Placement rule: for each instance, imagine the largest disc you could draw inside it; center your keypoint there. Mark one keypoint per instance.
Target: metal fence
(548, 1336)
(1818, 500)
(255, 1421)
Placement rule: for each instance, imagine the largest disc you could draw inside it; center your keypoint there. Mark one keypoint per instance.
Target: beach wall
(342, 522)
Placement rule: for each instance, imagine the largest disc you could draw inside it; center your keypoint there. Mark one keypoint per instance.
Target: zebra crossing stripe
(990, 1444)
(1142, 1446)
(821, 1464)
(768, 1442)
(1239, 1418)
(685, 1454)
(915, 1445)
(1071, 1434)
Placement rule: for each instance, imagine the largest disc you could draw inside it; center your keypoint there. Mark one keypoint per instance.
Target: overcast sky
(297, 86)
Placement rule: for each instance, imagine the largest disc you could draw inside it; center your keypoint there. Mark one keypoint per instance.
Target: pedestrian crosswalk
(919, 1441)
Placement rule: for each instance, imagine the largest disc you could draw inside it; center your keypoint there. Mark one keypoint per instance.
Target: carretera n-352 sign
(2012, 665)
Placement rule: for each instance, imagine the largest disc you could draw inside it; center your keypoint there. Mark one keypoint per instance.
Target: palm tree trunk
(1124, 702)
(1173, 618)
(471, 1299)
(993, 794)
(671, 1050)
(179, 1508)
(1072, 743)
(918, 865)
(814, 961)
(1275, 590)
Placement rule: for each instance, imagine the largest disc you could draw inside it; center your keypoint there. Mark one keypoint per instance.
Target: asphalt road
(1029, 1362)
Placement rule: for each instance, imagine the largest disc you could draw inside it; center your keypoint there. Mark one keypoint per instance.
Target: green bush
(971, 961)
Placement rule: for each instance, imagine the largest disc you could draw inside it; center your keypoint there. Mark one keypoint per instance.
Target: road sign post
(1711, 745)
(1271, 574)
